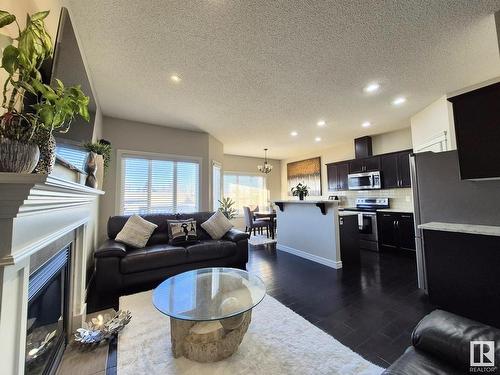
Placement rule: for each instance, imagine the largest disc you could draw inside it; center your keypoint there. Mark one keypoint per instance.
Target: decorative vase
(90, 169)
(301, 196)
(18, 157)
(47, 145)
(99, 160)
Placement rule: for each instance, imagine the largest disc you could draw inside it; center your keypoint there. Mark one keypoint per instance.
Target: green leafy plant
(300, 190)
(100, 148)
(226, 207)
(54, 108)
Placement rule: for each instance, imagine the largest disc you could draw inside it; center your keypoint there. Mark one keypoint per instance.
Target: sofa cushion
(152, 257)
(136, 231)
(217, 225)
(210, 249)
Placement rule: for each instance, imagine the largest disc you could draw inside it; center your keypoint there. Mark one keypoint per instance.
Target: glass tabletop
(208, 294)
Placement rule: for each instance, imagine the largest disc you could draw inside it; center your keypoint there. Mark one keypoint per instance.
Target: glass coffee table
(210, 310)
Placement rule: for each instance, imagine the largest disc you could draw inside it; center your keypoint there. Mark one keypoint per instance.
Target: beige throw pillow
(136, 231)
(217, 225)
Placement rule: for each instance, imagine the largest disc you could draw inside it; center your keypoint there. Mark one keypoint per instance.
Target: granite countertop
(487, 230)
(308, 201)
(348, 213)
(399, 210)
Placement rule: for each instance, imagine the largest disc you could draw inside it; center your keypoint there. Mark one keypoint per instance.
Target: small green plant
(300, 191)
(226, 207)
(54, 108)
(100, 148)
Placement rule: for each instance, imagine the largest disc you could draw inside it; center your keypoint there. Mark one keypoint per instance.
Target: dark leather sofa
(441, 345)
(121, 268)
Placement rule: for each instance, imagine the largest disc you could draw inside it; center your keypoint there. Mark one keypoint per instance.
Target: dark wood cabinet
(395, 168)
(337, 176)
(395, 231)
(349, 240)
(364, 165)
(477, 128)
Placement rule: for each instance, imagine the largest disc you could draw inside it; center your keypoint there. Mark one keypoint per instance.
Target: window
(245, 190)
(72, 154)
(216, 185)
(154, 185)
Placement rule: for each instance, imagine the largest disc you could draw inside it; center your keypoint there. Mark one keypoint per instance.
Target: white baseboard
(314, 258)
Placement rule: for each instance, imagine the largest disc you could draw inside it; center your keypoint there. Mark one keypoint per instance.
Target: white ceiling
(252, 71)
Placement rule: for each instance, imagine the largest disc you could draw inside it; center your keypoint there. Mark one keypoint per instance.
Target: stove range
(367, 220)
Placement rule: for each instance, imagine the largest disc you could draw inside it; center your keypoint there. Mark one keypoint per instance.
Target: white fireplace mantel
(35, 211)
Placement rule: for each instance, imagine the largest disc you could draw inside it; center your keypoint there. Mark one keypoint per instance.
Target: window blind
(74, 155)
(159, 185)
(216, 185)
(246, 190)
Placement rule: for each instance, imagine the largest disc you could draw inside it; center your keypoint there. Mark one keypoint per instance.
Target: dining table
(267, 215)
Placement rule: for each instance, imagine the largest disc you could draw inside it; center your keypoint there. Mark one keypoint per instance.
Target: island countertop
(308, 201)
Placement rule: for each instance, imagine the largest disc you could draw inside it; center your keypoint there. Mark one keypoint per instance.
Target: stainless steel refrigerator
(439, 195)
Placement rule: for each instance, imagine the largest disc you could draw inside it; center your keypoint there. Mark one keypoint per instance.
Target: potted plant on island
(26, 140)
(300, 191)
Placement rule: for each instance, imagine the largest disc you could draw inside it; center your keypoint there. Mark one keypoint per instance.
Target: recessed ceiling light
(317, 139)
(321, 123)
(372, 87)
(366, 124)
(175, 78)
(294, 134)
(399, 100)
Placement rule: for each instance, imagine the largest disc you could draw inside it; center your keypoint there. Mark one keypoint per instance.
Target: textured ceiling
(252, 71)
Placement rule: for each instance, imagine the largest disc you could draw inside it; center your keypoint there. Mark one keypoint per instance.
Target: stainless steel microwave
(364, 181)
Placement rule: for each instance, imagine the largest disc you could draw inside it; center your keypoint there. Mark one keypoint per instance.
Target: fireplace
(47, 318)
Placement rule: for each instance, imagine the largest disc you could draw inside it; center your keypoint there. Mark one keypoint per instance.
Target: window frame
(251, 174)
(120, 176)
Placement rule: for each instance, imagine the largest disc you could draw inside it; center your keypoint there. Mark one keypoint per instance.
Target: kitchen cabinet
(395, 168)
(337, 176)
(396, 231)
(349, 239)
(477, 131)
(364, 165)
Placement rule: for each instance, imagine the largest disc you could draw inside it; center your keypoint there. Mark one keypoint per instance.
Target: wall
(432, 121)
(136, 136)
(235, 163)
(382, 143)
(215, 154)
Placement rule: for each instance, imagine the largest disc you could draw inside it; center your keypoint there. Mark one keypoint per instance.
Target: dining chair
(252, 224)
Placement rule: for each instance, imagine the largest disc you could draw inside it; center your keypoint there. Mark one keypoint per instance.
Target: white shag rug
(278, 341)
(260, 239)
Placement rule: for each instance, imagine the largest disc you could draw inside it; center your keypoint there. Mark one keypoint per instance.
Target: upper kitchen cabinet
(337, 176)
(364, 165)
(395, 168)
(477, 127)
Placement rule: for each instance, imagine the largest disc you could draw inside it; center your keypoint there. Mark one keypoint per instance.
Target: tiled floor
(371, 308)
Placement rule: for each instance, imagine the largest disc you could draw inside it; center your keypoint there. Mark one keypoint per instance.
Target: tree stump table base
(209, 341)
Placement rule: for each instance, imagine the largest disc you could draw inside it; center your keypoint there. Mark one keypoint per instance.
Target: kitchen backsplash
(398, 198)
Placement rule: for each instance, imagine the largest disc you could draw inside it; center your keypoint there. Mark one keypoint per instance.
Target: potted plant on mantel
(300, 191)
(26, 140)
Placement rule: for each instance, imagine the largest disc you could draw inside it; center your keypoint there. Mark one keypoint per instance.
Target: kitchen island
(310, 229)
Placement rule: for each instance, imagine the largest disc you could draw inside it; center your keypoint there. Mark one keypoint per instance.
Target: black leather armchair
(441, 345)
(121, 268)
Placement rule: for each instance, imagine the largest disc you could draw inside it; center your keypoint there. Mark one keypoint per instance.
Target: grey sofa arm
(236, 235)
(111, 248)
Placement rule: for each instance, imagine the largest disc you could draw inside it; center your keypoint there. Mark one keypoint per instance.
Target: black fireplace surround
(47, 319)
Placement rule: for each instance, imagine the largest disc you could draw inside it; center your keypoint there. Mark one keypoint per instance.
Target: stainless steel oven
(364, 181)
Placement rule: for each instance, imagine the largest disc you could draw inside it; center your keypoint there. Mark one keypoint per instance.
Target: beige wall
(215, 155)
(136, 136)
(394, 141)
(433, 121)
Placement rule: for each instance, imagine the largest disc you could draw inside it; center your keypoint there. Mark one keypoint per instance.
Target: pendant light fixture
(266, 168)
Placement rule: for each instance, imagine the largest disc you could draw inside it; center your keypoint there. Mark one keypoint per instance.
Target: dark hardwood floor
(371, 308)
